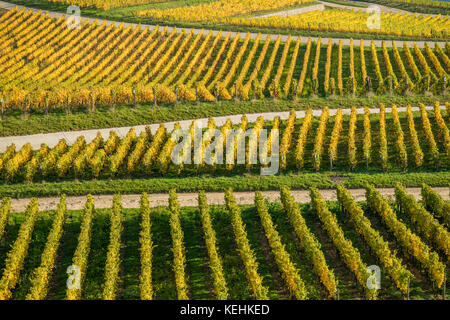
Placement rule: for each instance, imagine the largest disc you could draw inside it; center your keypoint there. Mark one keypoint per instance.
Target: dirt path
(51, 139)
(345, 41)
(214, 198)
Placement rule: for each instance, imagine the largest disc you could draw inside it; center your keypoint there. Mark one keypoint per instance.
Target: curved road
(51, 139)
(304, 39)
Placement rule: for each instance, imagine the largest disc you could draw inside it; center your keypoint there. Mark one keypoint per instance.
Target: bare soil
(214, 198)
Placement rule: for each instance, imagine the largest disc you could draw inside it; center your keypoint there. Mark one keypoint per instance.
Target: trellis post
(315, 161)
(91, 102)
(112, 97)
(216, 91)
(407, 297)
(25, 106)
(445, 286)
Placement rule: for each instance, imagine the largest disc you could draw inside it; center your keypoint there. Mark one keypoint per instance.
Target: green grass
(128, 14)
(244, 182)
(197, 268)
(14, 123)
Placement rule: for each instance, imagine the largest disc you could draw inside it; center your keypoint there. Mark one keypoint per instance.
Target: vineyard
(45, 65)
(228, 7)
(354, 143)
(218, 11)
(272, 152)
(237, 13)
(278, 250)
(105, 5)
(355, 22)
